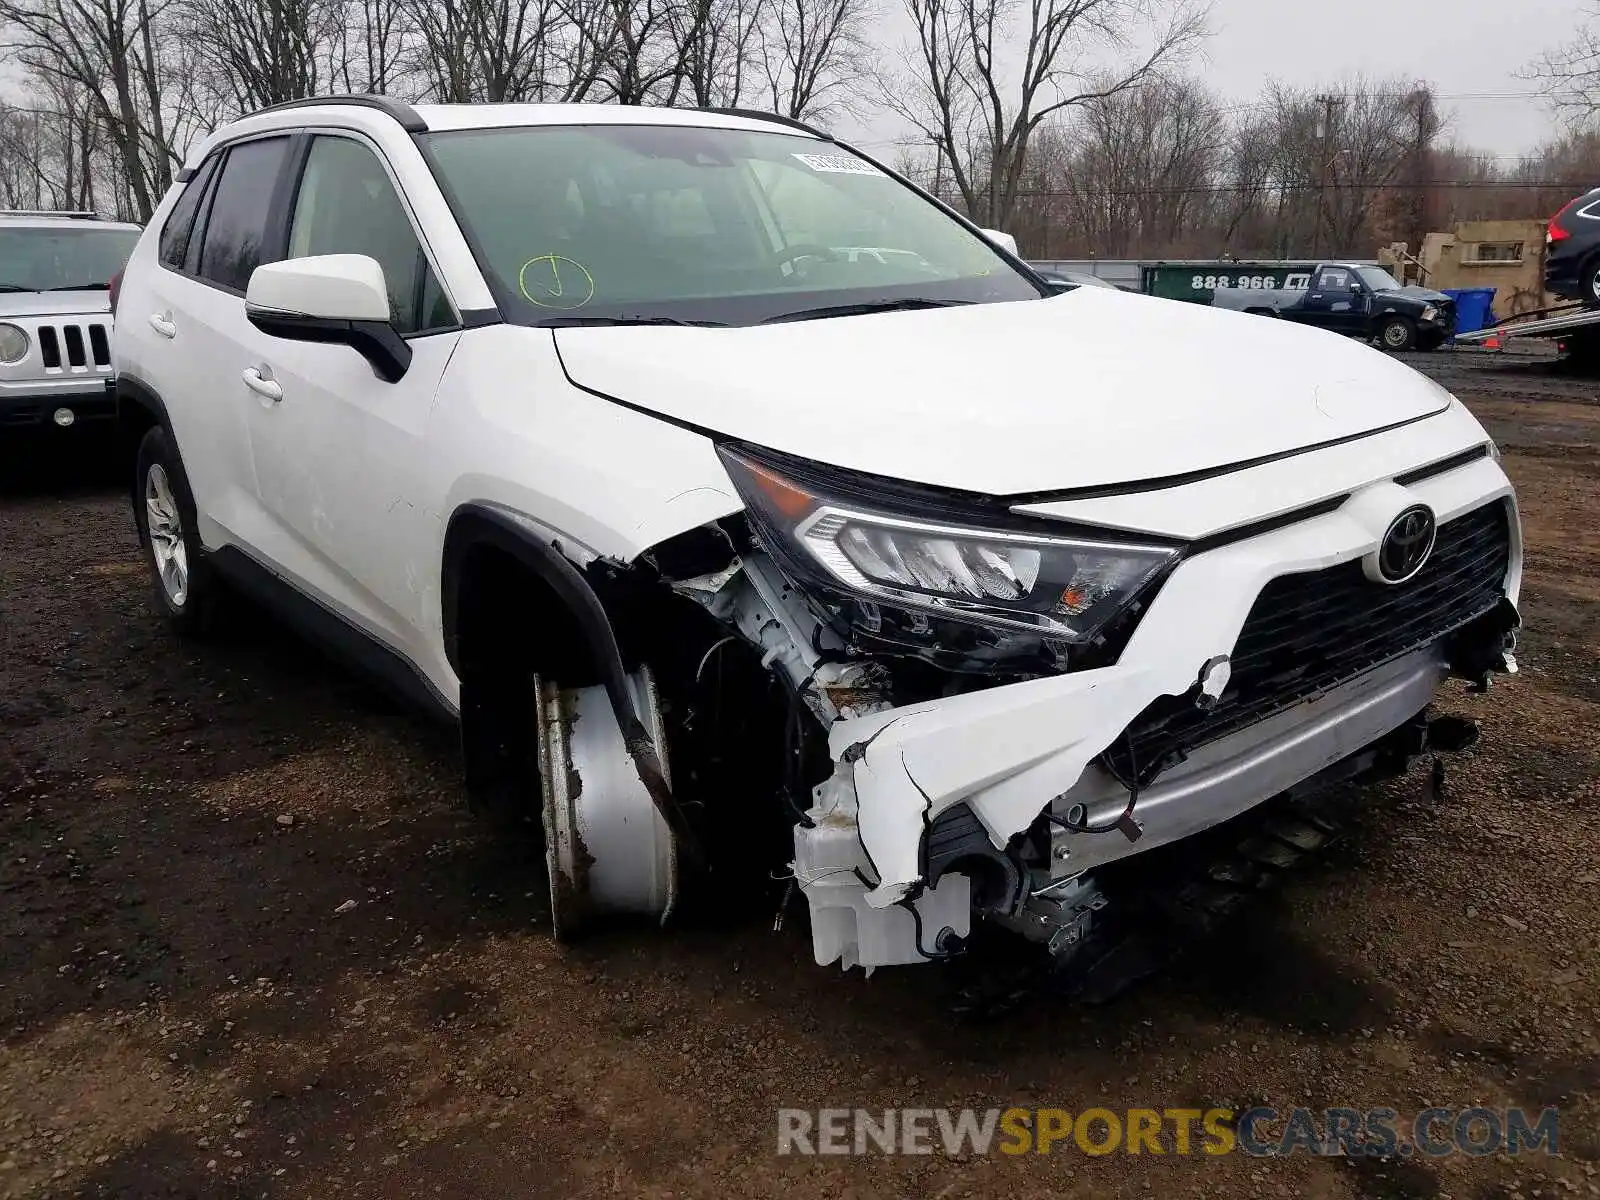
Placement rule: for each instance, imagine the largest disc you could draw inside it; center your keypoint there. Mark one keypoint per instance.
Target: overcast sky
(1470, 50)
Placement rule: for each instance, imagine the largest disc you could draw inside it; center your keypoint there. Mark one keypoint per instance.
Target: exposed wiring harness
(793, 747)
(1123, 822)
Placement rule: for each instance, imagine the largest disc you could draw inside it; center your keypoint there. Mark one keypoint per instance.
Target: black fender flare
(135, 393)
(477, 524)
(135, 396)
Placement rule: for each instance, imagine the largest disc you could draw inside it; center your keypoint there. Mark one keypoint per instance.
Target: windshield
(1378, 279)
(697, 224)
(58, 260)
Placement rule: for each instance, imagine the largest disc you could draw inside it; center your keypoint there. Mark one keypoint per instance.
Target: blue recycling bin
(1474, 307)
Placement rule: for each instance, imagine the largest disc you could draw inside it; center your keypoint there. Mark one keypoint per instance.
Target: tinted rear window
(175, 233)
(237, 226)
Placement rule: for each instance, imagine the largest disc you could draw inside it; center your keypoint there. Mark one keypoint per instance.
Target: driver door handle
(260, 381)
(163, 324)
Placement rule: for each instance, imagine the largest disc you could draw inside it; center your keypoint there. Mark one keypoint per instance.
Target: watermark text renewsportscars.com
(1259, 1132)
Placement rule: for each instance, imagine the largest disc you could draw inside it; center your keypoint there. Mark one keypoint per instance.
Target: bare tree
(1245, 183)
(1142, 165)
(1570, 74)
(714, 42)
(370, 47)
(813, 54)
(36, 159)
(108, 51)
(485, 50)
(253, 53)
(1367, 148)
(960, 94)
(635, 51)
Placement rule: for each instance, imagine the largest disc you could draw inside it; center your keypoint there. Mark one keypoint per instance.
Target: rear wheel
(186, 589)
(1591, 282)
(1397, 333)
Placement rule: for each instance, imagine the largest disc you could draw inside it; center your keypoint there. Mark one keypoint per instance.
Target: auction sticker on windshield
(838, 164)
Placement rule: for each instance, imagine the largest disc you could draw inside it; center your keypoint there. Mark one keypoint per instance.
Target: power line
(1249, 105)
(1276, 188)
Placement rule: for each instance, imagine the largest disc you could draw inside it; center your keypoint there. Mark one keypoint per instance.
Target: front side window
(237, 225)
(1335, 279)
(347, 205)
(694, 223)
(54, 259)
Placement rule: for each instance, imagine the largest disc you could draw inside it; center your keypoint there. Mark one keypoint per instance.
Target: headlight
(1430, 313)
(1057, 587)
(13, 343)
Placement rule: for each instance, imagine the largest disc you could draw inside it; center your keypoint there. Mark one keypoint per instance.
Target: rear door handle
(262, 385)
(163, 324)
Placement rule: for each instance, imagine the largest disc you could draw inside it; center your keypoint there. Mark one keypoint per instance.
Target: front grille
(1312, 631)
(74, 347)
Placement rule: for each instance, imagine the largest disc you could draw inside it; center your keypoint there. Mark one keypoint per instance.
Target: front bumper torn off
(1010, 751)
(1005, 751)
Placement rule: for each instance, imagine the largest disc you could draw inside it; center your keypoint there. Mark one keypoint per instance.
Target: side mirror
(1004, 240)
(333, 298)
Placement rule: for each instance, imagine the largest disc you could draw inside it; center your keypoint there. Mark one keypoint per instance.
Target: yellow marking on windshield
(555, 281)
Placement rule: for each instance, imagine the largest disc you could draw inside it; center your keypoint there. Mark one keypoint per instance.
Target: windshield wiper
(580, 322)
(81, 287)
(862, 307)
(14, 287)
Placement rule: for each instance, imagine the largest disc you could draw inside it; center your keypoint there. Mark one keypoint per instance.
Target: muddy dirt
(252, 945)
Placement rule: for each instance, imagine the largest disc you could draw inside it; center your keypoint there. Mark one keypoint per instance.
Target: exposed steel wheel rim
(165, 527)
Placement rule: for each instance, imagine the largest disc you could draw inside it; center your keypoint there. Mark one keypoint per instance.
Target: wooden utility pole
(1419, 205)
(1324, 160)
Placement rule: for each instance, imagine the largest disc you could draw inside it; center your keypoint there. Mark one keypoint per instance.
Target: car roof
(46, 221)
(441, 117)
(373, 114)
(359, 110)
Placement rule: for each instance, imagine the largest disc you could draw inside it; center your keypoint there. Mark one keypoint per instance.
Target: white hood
(1091, 388)
(86, 301)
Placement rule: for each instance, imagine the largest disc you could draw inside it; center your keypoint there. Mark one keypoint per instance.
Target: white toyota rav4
(729, 545)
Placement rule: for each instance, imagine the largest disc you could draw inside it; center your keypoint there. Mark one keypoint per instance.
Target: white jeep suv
(729, 547)
(57, 270)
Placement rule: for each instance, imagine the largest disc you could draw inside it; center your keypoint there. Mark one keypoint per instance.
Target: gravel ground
(250, 943)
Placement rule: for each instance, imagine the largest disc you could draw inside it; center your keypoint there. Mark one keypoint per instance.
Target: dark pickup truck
(1364, 302)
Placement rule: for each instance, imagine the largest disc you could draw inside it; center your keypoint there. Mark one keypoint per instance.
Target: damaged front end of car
(922, 711)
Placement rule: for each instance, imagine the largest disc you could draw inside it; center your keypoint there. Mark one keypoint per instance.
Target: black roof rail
(73, 215)
(754, 114)
(410, 120)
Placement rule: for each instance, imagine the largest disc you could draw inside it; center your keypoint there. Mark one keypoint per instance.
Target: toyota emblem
(1406, 544)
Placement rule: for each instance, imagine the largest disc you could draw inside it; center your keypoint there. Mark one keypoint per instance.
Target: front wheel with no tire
(1397, 333)
(185, 588)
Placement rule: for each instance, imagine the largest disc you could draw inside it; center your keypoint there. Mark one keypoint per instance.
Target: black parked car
(1361, 301)
(1572, 250)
